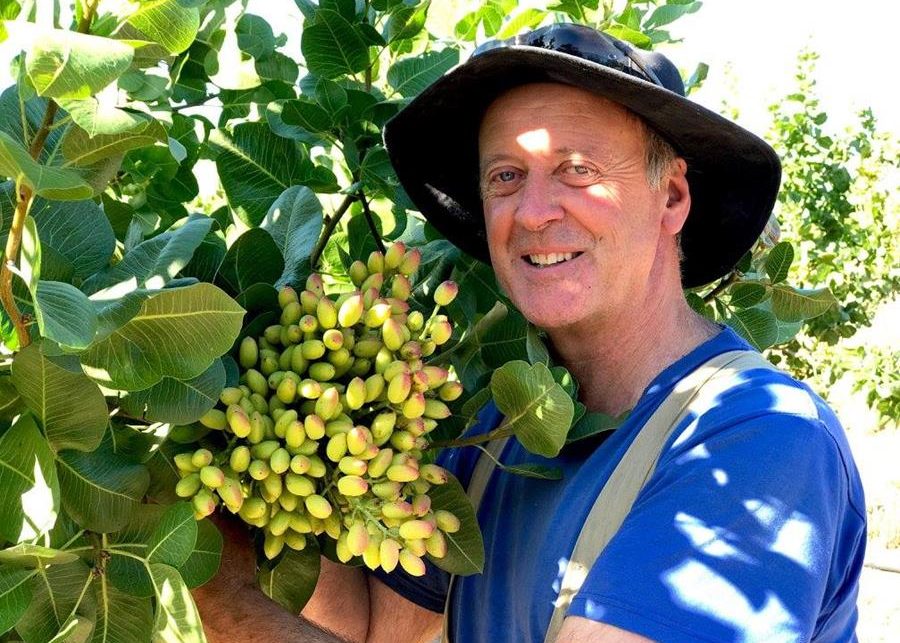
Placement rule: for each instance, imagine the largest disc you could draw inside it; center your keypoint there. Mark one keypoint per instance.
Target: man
(574, 164)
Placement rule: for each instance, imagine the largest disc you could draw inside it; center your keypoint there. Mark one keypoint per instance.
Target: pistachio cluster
(327, 428)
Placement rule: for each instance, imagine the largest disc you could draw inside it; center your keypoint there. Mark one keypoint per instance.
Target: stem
(721, 286)
(38, 143)
(372, 227)
(330, 225)
(496, 434)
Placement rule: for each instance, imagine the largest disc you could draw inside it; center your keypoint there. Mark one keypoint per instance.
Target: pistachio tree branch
(371, 221)
(330, 224)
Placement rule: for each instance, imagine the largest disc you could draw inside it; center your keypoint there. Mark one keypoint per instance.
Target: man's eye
(579, 170)
(505, 176)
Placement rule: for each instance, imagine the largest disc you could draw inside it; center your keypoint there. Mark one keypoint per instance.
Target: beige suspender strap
(477, 485)
(699, 389)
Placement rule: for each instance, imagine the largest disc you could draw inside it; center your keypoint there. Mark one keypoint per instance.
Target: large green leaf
(50, 182)
(11, 403)
(411, 76)
(332, 47)
(174, 538)
(156, 261)
(100, 115)
(173, 24)
(670, 13)
(177, 401)
(177, 333)
(292, 580)
(56, 591)
(295, 223)
(77, 231)
(33, 556)
(465, 548)
(757, 325)
(29, 487)
(203, 563)
(121, 618)
(254, 258)
(747, 293)
(67, 64)
(127, 567)
(15, 594)
(406, 21)
(101, 489)
(177, 620)
(64, 314)
(794, 304)
(537, 409)
(778, 261)
(81, 148)
(255, 167)
(68, 404)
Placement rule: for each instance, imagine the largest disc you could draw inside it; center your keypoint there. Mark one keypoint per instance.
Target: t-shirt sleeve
(732, 538)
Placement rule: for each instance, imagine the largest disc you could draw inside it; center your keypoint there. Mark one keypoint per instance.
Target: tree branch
(330, 225)
(372, 227)
(721, 286)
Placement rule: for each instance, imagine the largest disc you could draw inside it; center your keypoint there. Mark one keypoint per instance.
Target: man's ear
(678, 197)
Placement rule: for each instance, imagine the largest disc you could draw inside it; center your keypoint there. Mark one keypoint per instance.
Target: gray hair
(658, 156)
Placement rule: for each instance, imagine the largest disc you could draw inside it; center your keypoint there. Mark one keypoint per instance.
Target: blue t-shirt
(752, 527)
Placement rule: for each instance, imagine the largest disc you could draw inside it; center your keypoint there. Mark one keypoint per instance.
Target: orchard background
(126, 288)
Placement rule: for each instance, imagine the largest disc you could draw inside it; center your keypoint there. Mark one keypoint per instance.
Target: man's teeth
(550, 259)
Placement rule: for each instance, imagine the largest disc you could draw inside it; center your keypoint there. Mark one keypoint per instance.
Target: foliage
(839, 206)
(125, 294)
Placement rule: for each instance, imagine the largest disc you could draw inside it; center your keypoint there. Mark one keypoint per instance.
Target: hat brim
(433, 144)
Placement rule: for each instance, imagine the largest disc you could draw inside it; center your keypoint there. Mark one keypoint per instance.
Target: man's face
(573, 227)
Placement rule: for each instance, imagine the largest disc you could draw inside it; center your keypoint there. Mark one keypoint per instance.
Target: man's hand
(233, 608)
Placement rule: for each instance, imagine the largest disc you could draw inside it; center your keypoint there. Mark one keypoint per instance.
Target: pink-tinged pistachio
(446, 521)
(358, 438)
(411, 350)
(436, 544)
(326, 313)
(329, 403)
(286, 295)
(420, 381)
(201, 458)
(231, 495)
(291, 314)
(377, 314)
(336, 447)
(299, 485)
(204, 503)
(322, 371)
(441, 331)
(415, 321)
(411, 564)
(300, 463)
(211, 476)
(358, 272)
(402, 473)
(398, 307)
(450, 391)
(309, 302)
(352, 486)
(394, 369)
(316, 467)
(230, 395)
(387, 490)
(310, 389)
(415, 427)
(401, 288)
(374, 387)
(280, 460)
(415, 405)
(392, 334)
(353, 466)
(421, 505)
(188, 485)
(239, 459)
(397, 509)
(416, 529)
(378, 465)
(394, 255)
(411, 261)
(368, 347)
(351, 311)
(317, 506)
(436, 410)
(258, 469)
(375, 262)
(389, 552)
(372, 555)
(399, 388)
(295, 434)
(434, 474)
(357, 538)
(214, 419)
(446, 293)
(254, 508)
(356, 393)
(375, 281)
(332, 339)
(342, 549)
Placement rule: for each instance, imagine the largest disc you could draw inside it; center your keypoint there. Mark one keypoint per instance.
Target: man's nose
(538, 205)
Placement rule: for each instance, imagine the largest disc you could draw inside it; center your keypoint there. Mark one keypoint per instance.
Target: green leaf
(332, 47)
(15, 595)
(207, 258)
(174, 538)
(295, 223)
(669, 13)
(171, 23)
(82, 149)
(592, 424)
(537, 409)
(121, 618)
(537, 350)
(778, 261)
(33, 556)
(747, 293)
(177, 620)
(78, 232)
(526, 20)
(69, 405)
(64, 314)
(255, 167)
(154, 262)
(101, 489)
(30, 257)
(331, 96)
(67, 64)
(203, 563)
(177, 333)
(291, 581)
(128, 547)
(76, 629)
(307, 115)
(536, 471)
(11, 403)
(50, 182)
(29, 488)
(377, 173)
(636, 38)
(465, 548)
(178, 401)
(411, 76)
(255, 36)
(757, 326)
(406, 21)
(55, 595)
(795, 304)
(253, 258)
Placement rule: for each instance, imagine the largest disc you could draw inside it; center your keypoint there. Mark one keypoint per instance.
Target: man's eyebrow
(588, 151)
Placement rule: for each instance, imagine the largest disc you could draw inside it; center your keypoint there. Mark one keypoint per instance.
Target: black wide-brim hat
(733, 174)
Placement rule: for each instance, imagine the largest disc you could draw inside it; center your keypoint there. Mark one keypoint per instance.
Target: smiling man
(575, 166)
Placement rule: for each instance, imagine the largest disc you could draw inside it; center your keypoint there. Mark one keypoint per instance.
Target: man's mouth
(551, 259)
